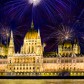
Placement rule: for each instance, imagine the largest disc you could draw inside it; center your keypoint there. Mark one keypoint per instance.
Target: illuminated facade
(67, 48)
(3, 50)
(31, 58)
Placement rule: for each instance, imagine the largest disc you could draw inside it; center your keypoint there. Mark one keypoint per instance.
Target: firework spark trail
(65, 33)
(49, 36)
(81, 37)
(35, 2)
(58, 35)
(51, 9)
(18, 35)
(5, 32)
(61, 34)
(17, 8)
(53, 45)
(76, 2)
(18, 32)
(76, 26)
(75, 23)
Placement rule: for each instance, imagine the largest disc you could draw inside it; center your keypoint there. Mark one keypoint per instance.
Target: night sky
(47, 15)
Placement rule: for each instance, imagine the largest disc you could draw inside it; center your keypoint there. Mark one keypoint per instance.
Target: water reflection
(34, 81)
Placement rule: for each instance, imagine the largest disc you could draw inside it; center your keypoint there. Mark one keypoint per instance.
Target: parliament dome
(31, 34)
(67, 44)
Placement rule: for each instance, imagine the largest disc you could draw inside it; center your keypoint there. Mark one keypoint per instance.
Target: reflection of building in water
(31, 58)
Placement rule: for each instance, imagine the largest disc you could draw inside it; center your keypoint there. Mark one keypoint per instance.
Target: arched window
(32, 49)
(10, 60)
(29, 49)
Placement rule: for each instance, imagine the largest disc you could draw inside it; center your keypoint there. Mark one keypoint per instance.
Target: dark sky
(49, 14)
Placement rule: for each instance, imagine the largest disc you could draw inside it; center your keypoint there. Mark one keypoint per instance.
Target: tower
(39, 46)
(32, 47)
(60, 49)
(11, 49)
(76, 47)
(32, 42)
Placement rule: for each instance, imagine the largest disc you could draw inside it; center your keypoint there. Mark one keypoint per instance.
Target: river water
(41, 81)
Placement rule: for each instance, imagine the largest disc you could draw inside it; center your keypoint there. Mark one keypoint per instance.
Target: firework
(64, 33)
(5, 32)
(41, 9)
(19, 35)
(61, 34)
(34, 2)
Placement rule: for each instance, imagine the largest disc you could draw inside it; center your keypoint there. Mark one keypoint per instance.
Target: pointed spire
(75, 41)
(32, 25)
(11, 34)
(11, 49)
(38, 32)
(11, 37)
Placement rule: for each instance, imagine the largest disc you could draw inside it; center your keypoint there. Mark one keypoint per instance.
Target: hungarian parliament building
(33, 61)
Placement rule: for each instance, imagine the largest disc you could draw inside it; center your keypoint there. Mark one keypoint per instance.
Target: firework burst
(5, 32)
(65, 33)
(19, 36)
(42, 10)
(61, 34)
(34, 2)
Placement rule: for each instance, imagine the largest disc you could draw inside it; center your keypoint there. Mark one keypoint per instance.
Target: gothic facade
(31, 58)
